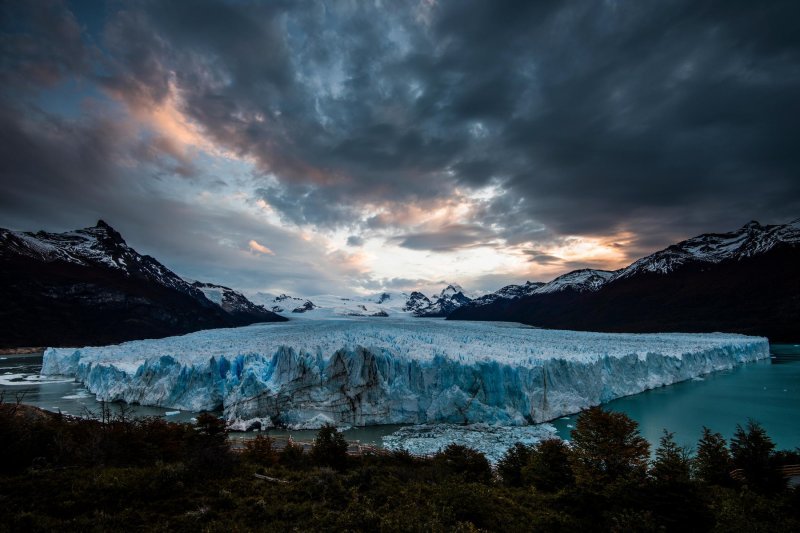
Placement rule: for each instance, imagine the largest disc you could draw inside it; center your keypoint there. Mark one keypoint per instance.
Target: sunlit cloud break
(400, 144)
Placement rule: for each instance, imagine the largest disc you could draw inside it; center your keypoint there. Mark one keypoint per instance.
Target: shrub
(260, 450)
(329, 448)
(292, 455)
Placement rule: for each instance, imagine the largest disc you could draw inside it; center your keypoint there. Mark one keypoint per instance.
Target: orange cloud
(255, 246)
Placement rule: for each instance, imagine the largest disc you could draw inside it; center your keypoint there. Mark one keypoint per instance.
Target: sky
(356, 146)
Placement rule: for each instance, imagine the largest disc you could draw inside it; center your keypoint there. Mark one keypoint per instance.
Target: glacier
(359, 371)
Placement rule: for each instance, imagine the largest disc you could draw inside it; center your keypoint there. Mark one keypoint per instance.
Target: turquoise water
(767, 391)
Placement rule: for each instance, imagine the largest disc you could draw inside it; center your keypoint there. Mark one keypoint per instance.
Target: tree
(260, 450)
(511, 464)
(292, 454)
(329, 448)
(712, 464)
(752, 452)
(548, 467)
(465, 462)
(606, 448)
(672, 465)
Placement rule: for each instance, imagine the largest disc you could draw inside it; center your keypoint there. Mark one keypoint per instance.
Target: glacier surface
(364, 372)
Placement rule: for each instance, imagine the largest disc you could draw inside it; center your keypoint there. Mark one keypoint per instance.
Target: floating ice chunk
(172, 413)
(78, 395)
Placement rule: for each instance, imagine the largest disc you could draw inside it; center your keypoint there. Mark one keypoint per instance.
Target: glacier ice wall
(359, 372)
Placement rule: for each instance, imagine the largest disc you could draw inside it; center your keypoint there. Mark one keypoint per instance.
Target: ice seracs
(365, 371)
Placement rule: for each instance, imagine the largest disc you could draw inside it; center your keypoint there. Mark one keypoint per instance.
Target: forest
(117, 472)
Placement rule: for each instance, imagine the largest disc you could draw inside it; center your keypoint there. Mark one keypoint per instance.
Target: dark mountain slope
(746, 281)
(89, 287)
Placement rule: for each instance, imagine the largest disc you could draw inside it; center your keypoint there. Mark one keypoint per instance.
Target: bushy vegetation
(118, 473)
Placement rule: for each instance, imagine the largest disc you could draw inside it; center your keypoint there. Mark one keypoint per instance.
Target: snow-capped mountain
(451, 298)
(509, 292)
(383, 304)
(98, 246)
(584, 280)
(416, 303)
(750, 240)
(744, 281)
(331, 306)
(308, 305)
(88, 286)
(232, 302)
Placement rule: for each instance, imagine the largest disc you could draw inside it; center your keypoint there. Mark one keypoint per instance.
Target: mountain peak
(451, 289)
(753, 224)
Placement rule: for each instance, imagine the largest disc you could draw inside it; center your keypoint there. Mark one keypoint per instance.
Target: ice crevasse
(360, 372)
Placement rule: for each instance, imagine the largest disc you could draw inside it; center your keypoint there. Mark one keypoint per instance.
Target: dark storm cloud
(447, 238)
(657, 118)
(355, 240)
(597, 117)
(537, 256)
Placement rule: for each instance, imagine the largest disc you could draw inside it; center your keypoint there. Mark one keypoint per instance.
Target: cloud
(447, 238)
(388, 123)
(355, 240)
(260, 248)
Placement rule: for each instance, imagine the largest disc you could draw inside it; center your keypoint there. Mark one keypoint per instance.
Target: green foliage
(672, 465)
(292, 455)
(122, 474)
(548, 468)
(672, 489)
(607, 448)
(330, 448)
(260, 450)
(464, 462)
(712, 464)
(510, 466)
(752, 451)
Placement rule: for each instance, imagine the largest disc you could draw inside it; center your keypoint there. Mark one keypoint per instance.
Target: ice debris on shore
(492, 441)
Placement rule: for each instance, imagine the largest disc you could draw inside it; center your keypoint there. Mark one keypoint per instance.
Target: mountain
(585, 280)
(89, 287)
(396, 304)
(416, 303)
(233, 302)
(451, 298)
(744, 281)
(509, 292)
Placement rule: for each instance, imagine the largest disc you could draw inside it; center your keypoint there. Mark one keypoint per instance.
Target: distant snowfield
(367, 371)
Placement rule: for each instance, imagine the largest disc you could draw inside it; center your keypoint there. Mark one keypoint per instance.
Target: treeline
(121, 473)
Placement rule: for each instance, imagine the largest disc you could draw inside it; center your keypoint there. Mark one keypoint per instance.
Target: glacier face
(362, 372)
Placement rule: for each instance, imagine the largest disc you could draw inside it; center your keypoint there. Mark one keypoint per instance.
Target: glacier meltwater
(366, 371)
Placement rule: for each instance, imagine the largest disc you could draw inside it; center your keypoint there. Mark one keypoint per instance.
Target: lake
(767, 391)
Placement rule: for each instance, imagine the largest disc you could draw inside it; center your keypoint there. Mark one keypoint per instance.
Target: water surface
(767, 391)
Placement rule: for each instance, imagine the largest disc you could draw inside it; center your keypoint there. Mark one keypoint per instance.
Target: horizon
(297, 148)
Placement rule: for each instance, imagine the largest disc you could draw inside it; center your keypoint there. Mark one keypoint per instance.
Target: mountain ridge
(742, 281)
(87, 286)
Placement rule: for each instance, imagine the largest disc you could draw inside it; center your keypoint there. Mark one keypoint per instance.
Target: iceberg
(357, 372)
